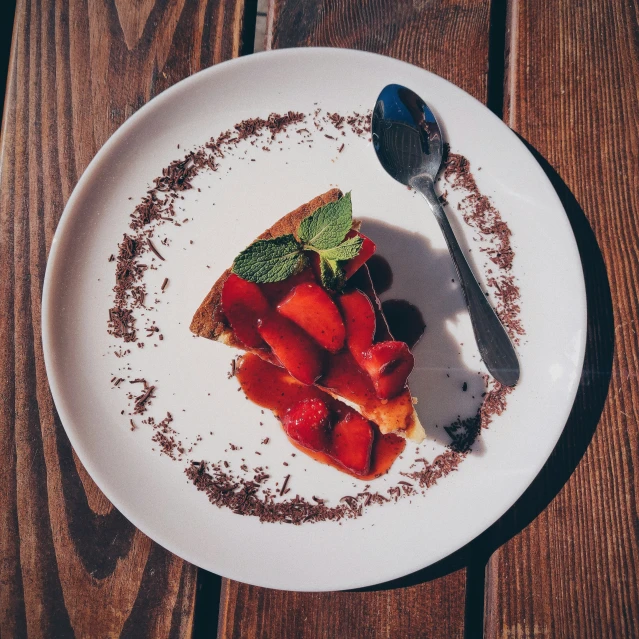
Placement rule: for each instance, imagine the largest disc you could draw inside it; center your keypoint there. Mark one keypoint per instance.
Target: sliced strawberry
(389, 364)
(368, 248)
(307, 423)
(311, 308)
(243, 304)
(346, 378)
(359, 317)
(352, 443)
(276, 291)
(299, 354)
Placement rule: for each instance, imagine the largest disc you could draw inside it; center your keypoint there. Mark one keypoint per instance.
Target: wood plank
(571, 84)
(422, 33)
(447, 38)
(70, 564)
(433, 609)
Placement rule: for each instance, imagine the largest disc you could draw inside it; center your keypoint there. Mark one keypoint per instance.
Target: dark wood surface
(69, 563)
(434, 610)
(571, 93)
(563, 562)
(448, 38)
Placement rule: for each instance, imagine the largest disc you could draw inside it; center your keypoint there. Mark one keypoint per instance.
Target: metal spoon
(409, 145)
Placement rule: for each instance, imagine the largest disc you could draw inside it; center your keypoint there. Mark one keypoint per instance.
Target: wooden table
(564, 562)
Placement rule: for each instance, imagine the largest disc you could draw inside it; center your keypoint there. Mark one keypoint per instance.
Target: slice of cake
(301, 298)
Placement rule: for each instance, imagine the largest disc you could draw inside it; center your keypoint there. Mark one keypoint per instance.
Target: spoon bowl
(406, 135)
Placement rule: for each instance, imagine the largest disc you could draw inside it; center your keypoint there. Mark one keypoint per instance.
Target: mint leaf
(270, 260)
(347, 250)
(327, 227)
(331, 273)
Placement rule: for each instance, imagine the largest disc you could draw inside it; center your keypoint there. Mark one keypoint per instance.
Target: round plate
(228, 209)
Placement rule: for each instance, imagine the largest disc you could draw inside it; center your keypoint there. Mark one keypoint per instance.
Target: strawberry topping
(312, 308)
(367, 250)
(276, 291)
(359, 317)
(389, 364)
(307, 423)
(352, 443)
(297, 352)
(243, 304)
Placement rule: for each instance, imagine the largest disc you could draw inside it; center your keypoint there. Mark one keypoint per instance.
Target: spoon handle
(495, 346)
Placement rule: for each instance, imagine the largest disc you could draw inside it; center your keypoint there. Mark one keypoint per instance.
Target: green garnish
(327, 227)
(270, 260)
(322, 232)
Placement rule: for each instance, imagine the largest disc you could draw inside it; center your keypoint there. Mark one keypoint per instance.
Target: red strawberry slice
(389, 364)
(307, 423)
(352, 443)
(276, 291)
(367, 250)
(299, 354)
(359, 317)
(243, 304)
(311, 308)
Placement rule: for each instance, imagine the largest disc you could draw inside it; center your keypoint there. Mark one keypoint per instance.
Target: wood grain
(448, 38)
(439, 37)
(70, 564)
(434, 609)
(571, 80)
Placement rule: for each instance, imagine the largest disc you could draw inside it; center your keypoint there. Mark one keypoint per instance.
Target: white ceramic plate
(231, 208)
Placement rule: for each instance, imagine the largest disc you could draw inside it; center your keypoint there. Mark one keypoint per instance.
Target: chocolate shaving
(142, 400)
(165, 436)
(178, 175)
(149, 210)
(152, 247)
(439, 468)
(284, 485)
(121, 324)
(480, 214)
(337, 120)
(241, 497)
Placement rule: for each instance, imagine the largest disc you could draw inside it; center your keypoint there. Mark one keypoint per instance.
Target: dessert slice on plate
(301, 301)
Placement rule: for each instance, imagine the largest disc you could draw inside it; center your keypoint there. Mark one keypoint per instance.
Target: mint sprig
(328, 226)
(331, 273)
(322, 232)
(270, 260)
(347, 250)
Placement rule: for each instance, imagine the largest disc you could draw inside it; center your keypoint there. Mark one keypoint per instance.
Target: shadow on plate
(577, 434)
(425, 277)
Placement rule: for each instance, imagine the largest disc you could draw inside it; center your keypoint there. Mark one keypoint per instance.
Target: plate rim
(54, 256)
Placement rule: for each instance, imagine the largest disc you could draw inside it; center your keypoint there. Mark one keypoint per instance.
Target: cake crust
(209, 320)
